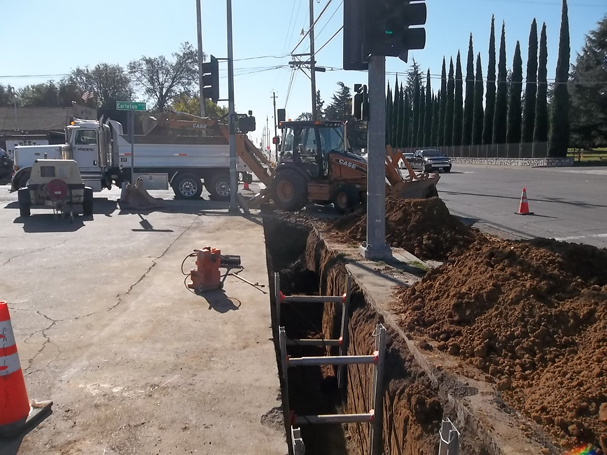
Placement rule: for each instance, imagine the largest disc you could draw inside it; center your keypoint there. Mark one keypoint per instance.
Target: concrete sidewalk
(165, 371)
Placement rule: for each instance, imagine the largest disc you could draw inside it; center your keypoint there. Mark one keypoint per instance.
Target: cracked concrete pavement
(135, 363)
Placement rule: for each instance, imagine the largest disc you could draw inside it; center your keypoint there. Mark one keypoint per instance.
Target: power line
(312, 26)
(261, 57)
(329, 20)
(31, 75)
(334, 35)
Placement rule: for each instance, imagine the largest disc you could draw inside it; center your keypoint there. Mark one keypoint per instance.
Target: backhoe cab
(316, 165)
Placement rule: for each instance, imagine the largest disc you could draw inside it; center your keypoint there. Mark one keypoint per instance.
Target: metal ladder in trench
(377, 359)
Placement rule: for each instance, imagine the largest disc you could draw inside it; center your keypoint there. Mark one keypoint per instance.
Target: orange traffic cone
(523, 208)
(17, 417)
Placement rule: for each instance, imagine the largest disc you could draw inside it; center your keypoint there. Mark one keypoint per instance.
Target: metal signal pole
(232, 116)
(200, 57)
(313, 62)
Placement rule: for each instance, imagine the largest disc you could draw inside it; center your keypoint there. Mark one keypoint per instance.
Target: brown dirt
(422, 226)
(533, 316)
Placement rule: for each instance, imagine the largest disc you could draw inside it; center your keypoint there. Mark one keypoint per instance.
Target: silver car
(429, 160)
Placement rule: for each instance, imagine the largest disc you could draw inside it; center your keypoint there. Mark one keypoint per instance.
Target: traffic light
(281, 115)
(388, 27)
(353, 34)
(360, 103)
(210, 79)
(246, 123)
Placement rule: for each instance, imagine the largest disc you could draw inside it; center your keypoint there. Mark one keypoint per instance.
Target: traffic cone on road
(17, 417)
(523, 208)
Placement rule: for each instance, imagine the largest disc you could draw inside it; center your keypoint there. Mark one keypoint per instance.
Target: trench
(412, 412)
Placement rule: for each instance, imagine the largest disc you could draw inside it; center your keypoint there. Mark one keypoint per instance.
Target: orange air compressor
(207, 276)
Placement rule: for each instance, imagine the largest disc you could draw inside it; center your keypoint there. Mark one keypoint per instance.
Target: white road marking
(578, 237)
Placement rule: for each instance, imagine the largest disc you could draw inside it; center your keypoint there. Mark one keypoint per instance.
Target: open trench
(412, 411)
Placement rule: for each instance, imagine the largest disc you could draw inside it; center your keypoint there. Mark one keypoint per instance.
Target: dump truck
(163, 157)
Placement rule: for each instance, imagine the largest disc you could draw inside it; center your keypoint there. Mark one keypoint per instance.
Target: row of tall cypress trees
(478, 110)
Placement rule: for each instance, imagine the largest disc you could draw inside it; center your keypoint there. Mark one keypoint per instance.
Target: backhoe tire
(25, 202)
(346, 199)
(187, 186)
(290, 190)
(219, 186)
(87, 203)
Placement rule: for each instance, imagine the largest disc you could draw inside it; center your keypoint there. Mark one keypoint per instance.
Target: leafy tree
(191, 105)
(501, 101)
(320, 104)
(477, 123)
(436, 119)
(490, 100)
(39, 95)
(458, 108)
(6, 95)
(531, 87)
(429, 111)
(340, 108)
(559, 120)
(443, 106)
(589, 90)
(109, 83)
(540, 131)
(422, 117)
(450, 107)
(469, 106)
(162, 80)
(389, 116)
(514, 105)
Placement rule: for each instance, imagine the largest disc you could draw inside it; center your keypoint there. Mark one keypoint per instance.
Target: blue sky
(43, 37)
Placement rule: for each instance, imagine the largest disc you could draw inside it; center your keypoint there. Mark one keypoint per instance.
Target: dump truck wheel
(219, 187)
(188, 186)
(87, 203)
(346, 199)
(290, 190)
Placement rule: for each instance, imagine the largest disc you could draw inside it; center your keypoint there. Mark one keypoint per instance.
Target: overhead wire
(312, 26)
(330, 39)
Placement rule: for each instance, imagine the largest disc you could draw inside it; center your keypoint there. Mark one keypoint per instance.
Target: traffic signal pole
(200, 57)
(313, 62)
(375, 246)
(232, 116)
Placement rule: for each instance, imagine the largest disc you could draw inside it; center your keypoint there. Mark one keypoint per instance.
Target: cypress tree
(395, 114)
(540, 131)
(450, 106)
(469, 107)
(407, 119)
(490, 100)
(513, 135)
(435, 119)
(400, 140)
(389, 114)
(422, 117)
(477, 123)
(443, 107)
(429, 110)
(416, 103)
(531, 87)
(559, 119)
(501, 100)
(458, 110)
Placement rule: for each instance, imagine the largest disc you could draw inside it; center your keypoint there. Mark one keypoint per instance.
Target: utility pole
(232, 116)
(313, 62)
(268, 130)
(275, 128)
(375, 247)
(200, 57)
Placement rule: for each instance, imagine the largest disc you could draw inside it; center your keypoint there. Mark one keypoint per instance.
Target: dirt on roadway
(134, 362)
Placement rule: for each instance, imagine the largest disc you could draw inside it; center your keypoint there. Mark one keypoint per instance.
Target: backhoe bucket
(422, 188)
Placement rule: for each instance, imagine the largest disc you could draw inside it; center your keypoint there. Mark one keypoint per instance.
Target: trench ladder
(377, 359)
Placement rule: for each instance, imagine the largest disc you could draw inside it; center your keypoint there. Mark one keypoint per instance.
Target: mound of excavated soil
(533, 316)
(422, 226)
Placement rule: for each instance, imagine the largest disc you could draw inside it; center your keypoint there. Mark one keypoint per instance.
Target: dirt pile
(533, 316)
(422, 226)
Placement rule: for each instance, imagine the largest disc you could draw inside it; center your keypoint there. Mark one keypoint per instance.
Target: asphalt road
(569, 204)
(134, 362)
